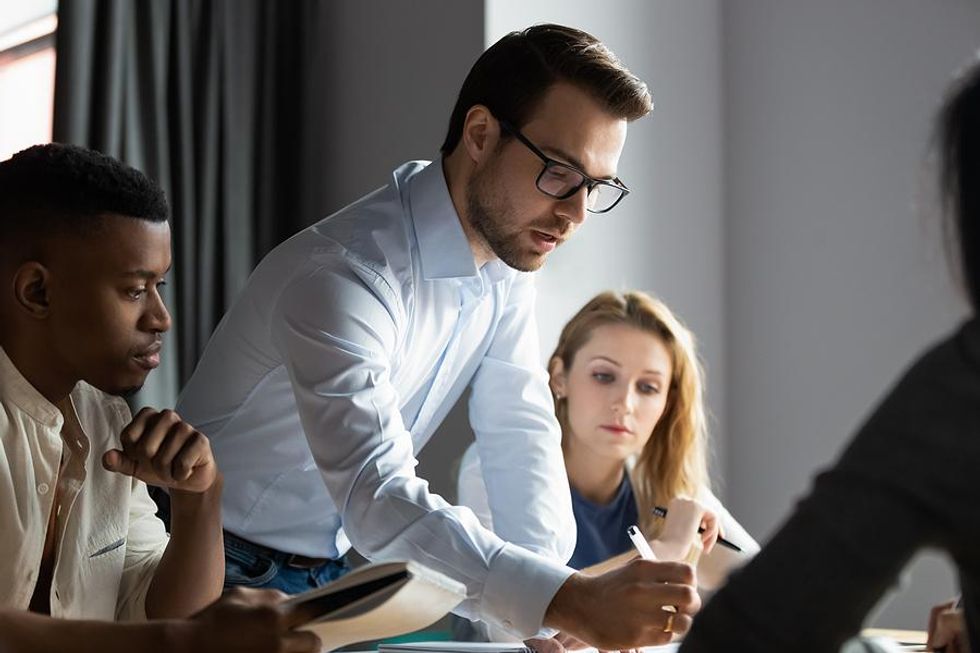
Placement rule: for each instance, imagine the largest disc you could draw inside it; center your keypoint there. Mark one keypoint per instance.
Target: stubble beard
(485, 214)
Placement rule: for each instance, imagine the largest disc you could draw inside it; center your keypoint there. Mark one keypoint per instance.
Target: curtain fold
(211, 99)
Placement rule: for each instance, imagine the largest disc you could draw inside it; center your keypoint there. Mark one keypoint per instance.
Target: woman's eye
(602, 377)
(649, 389)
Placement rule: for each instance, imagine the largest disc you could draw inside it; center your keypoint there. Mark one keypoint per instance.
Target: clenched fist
(159, 448)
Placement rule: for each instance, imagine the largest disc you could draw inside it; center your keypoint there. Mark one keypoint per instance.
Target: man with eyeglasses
(353, 339)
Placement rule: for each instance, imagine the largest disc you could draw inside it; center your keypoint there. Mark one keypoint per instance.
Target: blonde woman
(627, 388)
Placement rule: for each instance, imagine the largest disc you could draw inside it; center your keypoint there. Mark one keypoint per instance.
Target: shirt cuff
(519, 588)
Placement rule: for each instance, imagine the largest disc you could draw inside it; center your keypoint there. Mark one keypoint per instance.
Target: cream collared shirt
(109, 541)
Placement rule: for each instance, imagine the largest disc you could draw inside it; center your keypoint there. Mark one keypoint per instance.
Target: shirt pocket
(105, 558)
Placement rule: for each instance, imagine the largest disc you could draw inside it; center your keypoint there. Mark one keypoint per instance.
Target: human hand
(545, 644)
(623, 608)
(246, 621)
(159, 448)
(568, 642)
(711, 532)
(684, 518)
(947, 631)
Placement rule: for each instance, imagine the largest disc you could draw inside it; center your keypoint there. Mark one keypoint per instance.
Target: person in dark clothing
(907, 480)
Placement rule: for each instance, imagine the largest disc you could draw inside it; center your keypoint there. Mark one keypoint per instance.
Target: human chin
(486, 216)
(123, 382)
(124, 389)
(521, 260)
(512, 249)
(126, 393)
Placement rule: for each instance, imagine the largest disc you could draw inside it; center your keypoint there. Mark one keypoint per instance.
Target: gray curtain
(212, 99)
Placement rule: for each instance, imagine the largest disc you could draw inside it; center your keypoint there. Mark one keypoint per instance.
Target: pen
(661, 512)
(640, 542)
(643, 548)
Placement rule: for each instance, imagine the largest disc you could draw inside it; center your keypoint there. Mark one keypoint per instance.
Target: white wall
(666, 237)
(14, 14)
(835, 276)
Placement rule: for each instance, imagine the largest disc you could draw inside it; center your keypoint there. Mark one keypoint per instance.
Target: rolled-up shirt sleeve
(146, 541)
(339, 361)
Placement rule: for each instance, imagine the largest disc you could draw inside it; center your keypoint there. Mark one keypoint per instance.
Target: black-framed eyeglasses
(561, 181)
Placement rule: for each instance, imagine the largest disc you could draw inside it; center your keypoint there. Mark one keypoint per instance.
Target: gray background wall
(394, 71)
(834, 273)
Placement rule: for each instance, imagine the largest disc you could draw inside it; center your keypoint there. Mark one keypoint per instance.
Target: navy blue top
(602, 528)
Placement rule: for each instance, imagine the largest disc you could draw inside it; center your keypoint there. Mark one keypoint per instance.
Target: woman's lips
(615, 428)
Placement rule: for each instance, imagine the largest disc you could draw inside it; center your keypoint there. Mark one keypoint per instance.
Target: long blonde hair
(673, 462)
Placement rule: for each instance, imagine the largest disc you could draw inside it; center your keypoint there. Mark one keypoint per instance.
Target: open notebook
(374, 601)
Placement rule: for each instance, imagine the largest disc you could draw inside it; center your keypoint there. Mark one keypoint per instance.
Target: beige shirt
(109, 541)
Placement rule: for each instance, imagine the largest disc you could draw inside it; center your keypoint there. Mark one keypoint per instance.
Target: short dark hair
(51, 188)
(959, 176)
(512, 76)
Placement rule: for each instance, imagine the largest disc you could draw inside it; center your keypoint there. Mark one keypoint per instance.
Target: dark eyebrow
(146, 274)
(568, 158)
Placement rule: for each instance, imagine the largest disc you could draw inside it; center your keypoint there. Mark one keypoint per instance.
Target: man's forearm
(192, 571)
(26, 632)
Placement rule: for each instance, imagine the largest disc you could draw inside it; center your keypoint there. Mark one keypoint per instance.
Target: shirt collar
(16, 388)
(443, 247)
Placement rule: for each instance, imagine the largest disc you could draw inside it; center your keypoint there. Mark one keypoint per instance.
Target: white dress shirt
(109, 541)
(348, 346)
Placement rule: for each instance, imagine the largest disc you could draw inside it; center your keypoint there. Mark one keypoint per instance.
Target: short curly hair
(52, 188)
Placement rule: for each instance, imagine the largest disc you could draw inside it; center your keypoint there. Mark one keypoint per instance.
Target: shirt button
(43, 488)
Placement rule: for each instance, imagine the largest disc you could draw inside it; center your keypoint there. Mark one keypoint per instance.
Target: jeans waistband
(281, 557)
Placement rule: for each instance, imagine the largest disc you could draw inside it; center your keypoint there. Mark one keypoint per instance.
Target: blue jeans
(251, 565)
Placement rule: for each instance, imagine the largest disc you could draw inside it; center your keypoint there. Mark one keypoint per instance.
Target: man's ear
(481, 131)
(556, 370)
(31, 289)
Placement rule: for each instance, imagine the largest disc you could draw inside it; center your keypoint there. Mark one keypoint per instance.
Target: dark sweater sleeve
(905, 482)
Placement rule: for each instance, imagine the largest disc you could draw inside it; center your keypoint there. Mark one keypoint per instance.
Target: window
(27, 59)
